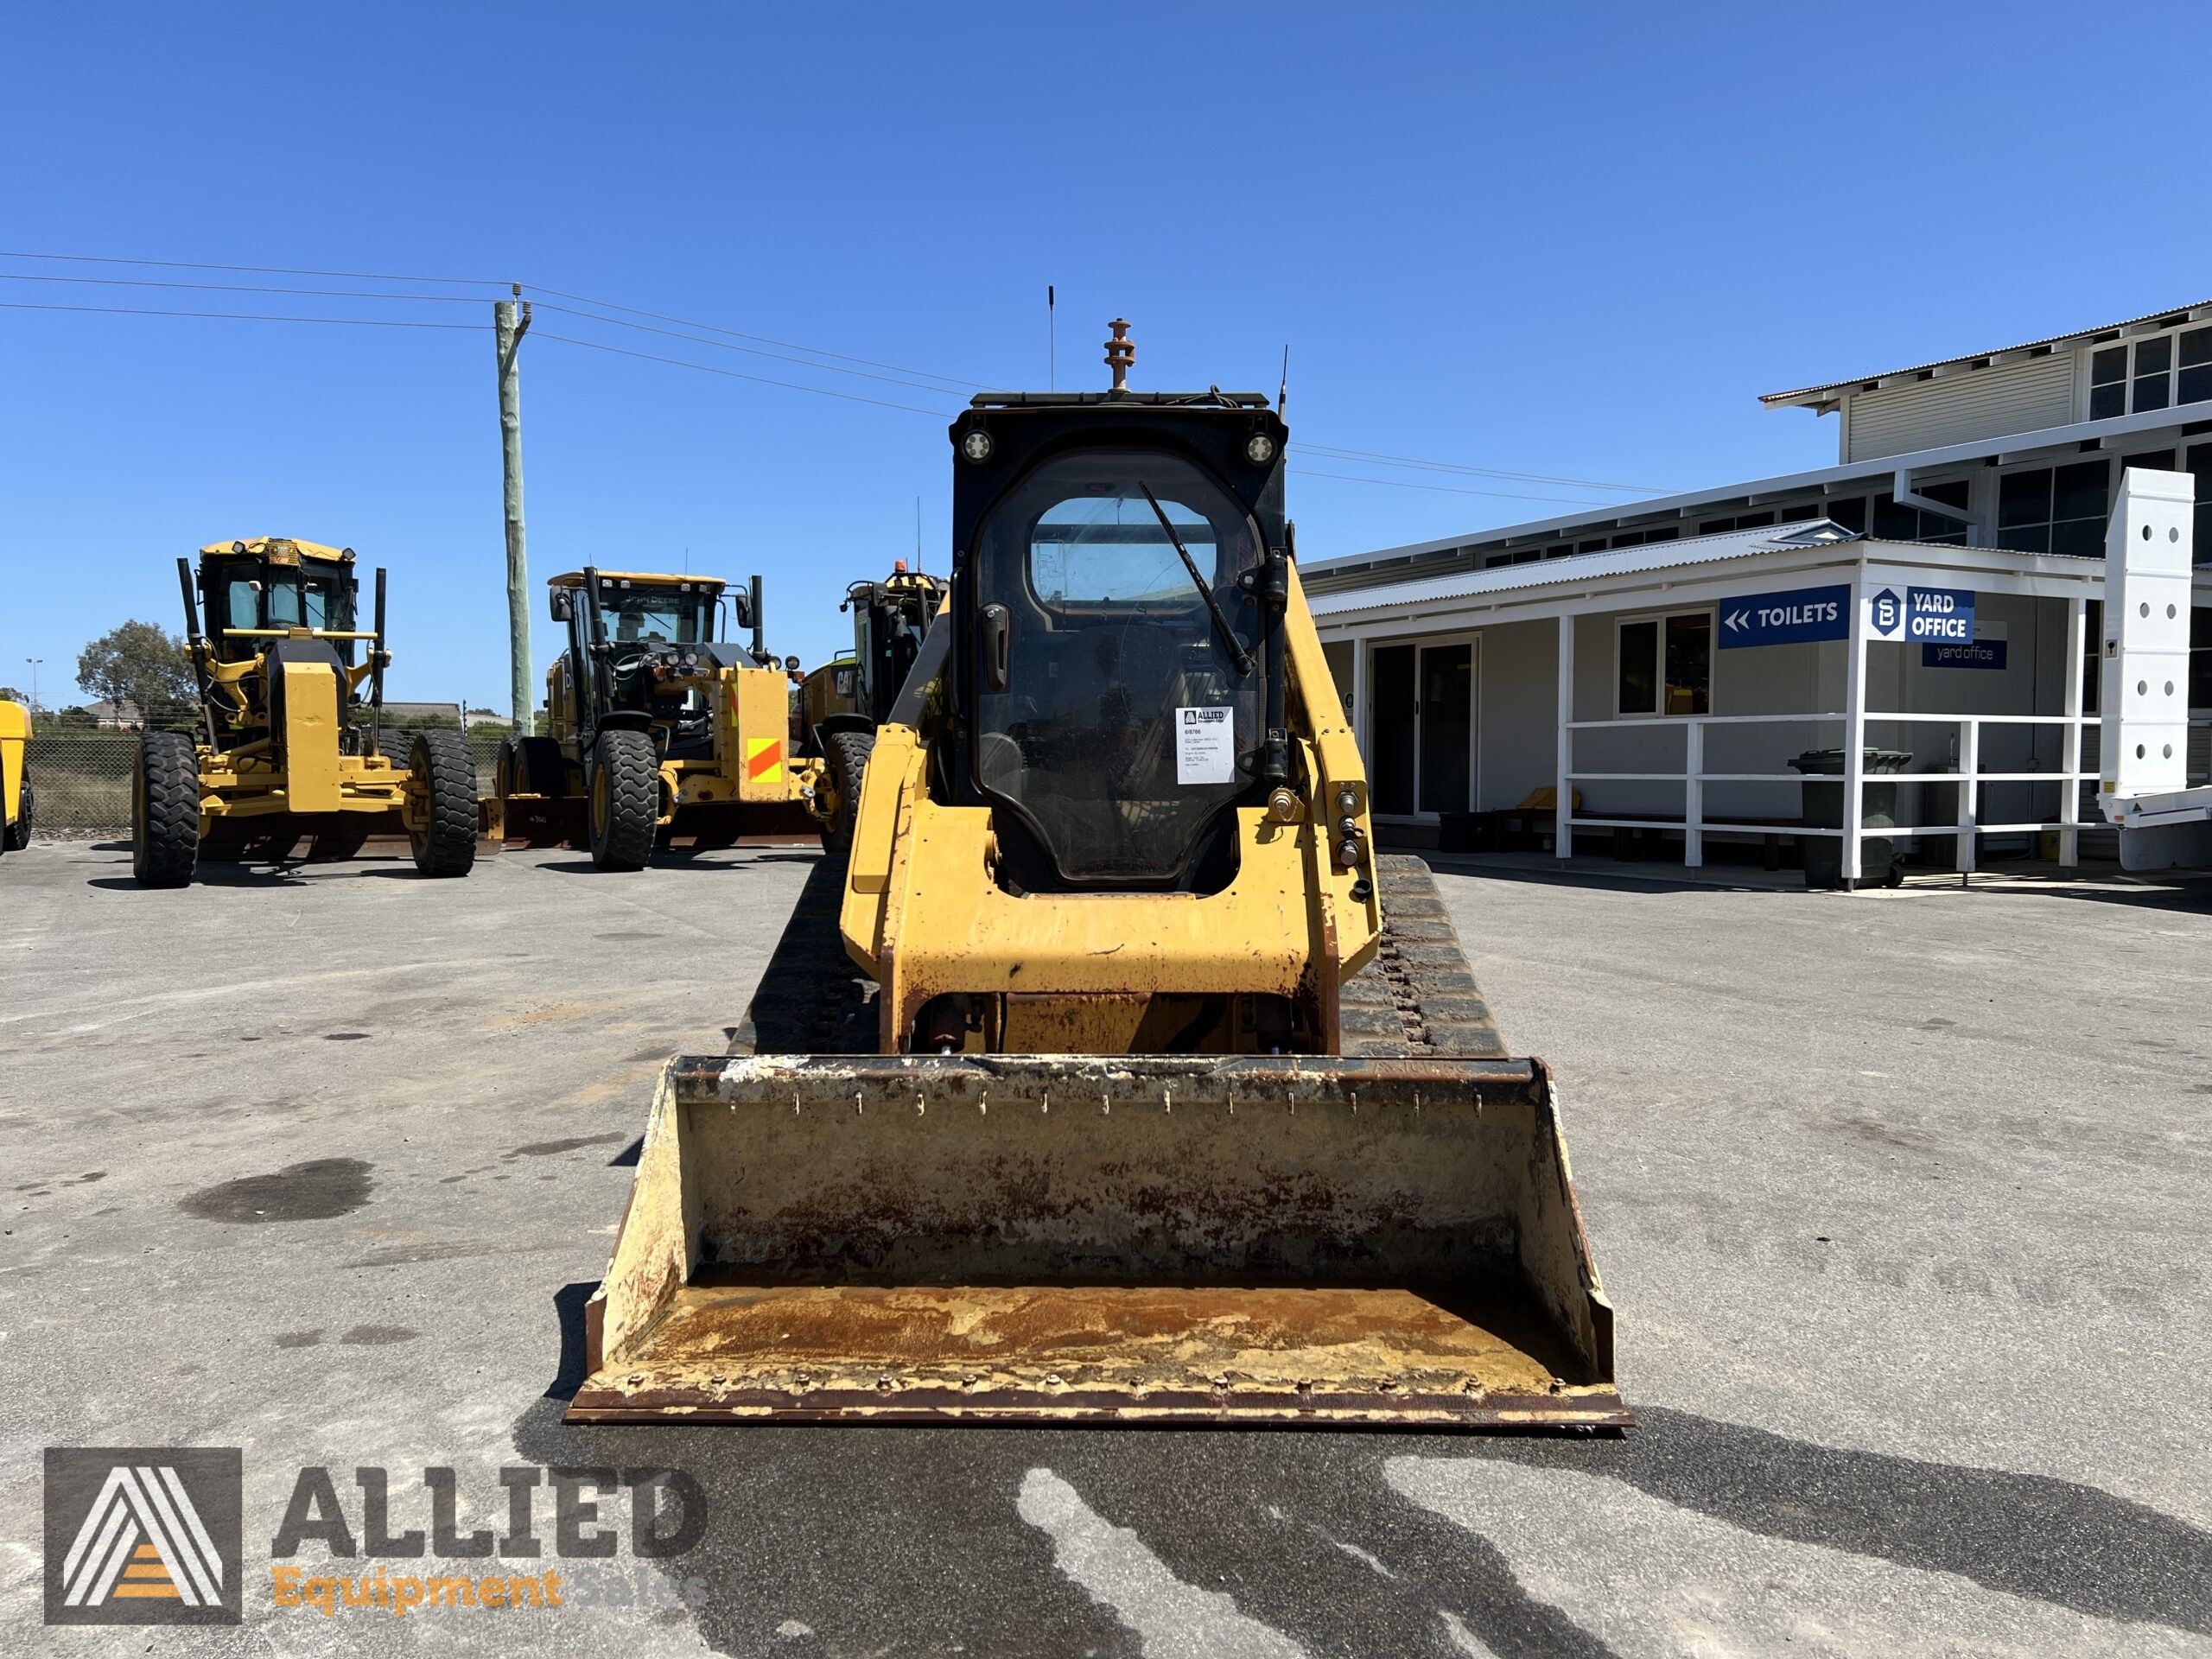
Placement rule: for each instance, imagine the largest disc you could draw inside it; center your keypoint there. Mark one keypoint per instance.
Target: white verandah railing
(1693, 777)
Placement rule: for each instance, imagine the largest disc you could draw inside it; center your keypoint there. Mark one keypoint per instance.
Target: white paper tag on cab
(1205, 745)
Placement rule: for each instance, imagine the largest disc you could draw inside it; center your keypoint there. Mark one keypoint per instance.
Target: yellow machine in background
(842, 701)
(1162, 1098)
(280, 754)
(657, 725)
(15, 800)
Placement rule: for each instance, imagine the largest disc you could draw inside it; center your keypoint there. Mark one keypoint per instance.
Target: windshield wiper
(1237, 654)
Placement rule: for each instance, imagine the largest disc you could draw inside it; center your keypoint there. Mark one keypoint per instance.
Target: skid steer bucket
(1302, 1240)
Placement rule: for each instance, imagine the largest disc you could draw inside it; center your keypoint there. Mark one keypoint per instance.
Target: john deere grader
(290, 743)
(1157, 1095)
(657, 726)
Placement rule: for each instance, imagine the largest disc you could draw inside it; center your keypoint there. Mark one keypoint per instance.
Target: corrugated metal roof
(1772, 398)
(1576, 567)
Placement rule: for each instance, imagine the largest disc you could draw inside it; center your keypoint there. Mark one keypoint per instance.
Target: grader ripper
(657, 726)
(1159, 1096)
(281, 754)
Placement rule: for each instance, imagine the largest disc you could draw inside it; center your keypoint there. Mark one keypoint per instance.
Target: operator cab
(1116, 651)
(646, 642)
(272, 582)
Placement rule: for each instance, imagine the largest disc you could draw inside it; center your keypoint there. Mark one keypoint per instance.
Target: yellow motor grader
(844, 701)
(657, 725)
(290, 743)
(1146, 1091)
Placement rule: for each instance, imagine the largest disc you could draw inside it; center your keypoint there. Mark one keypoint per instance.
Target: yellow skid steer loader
(1157, 1096)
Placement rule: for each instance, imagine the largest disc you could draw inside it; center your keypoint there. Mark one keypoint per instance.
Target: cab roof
(576, 579)
(280, 549)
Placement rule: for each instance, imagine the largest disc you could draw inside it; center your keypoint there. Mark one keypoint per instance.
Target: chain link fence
(82, 779)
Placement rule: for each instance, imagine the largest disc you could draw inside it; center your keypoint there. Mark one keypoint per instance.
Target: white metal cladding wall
(1960, 408)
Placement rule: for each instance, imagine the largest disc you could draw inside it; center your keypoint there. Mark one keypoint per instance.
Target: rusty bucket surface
(1297, 1240)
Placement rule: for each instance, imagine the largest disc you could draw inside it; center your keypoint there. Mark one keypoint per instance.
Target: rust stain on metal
(1414, 1258)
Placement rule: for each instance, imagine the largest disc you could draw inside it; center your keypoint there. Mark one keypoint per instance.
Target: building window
(1893, 523)
(1850, 512)
(1665, 665)
(2200, 656)
(2154, 372)
(2200, 465)
(2055, 509)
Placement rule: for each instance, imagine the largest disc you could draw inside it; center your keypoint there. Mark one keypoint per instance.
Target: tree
(142, 663)
(8, 694)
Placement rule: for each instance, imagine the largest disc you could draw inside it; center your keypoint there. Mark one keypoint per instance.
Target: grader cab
(658, 724)
(290, 744)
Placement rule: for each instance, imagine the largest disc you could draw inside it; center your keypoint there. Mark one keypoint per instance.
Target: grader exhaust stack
(1113, 1076)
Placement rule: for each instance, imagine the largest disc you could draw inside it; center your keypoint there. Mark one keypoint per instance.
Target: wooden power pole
(511, 322)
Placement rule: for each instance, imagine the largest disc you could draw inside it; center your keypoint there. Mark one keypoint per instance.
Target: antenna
(1282, 394)
(1052, 341)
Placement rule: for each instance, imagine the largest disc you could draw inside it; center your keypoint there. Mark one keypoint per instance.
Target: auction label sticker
(1205, 745)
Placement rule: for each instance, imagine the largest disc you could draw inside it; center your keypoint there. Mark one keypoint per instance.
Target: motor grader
(290, 742)
(1146, 1090)
(844, 701)
(658, 725)
(16, 801)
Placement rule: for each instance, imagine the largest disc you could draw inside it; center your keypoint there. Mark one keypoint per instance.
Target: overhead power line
(482, 282)
(734, 374)
(261, 271)
(243, 288)
(609, 305)
(240, 316)
(892, 374)
(755, 351)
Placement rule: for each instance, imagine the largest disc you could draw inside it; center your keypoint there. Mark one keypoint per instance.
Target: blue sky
(1567, 241)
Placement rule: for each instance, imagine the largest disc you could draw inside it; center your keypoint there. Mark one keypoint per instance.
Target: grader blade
(1306, 1241)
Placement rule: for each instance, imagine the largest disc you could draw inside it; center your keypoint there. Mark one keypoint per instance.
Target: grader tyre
(17, 835)
(441, 766)
(533, 766)
(624, 800)
(165, 810)
(849, 753)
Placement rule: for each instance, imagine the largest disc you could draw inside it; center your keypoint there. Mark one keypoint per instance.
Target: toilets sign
(1927, 615)
(1784, 618)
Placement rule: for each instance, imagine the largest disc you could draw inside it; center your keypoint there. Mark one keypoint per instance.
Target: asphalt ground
(1901, 1197)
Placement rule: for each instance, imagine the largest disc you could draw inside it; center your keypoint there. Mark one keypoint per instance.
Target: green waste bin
(1823, 810)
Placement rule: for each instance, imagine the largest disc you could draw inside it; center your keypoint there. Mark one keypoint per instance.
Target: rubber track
(813, 998)
(1417, 999)
(442, 761)
(172, 828)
